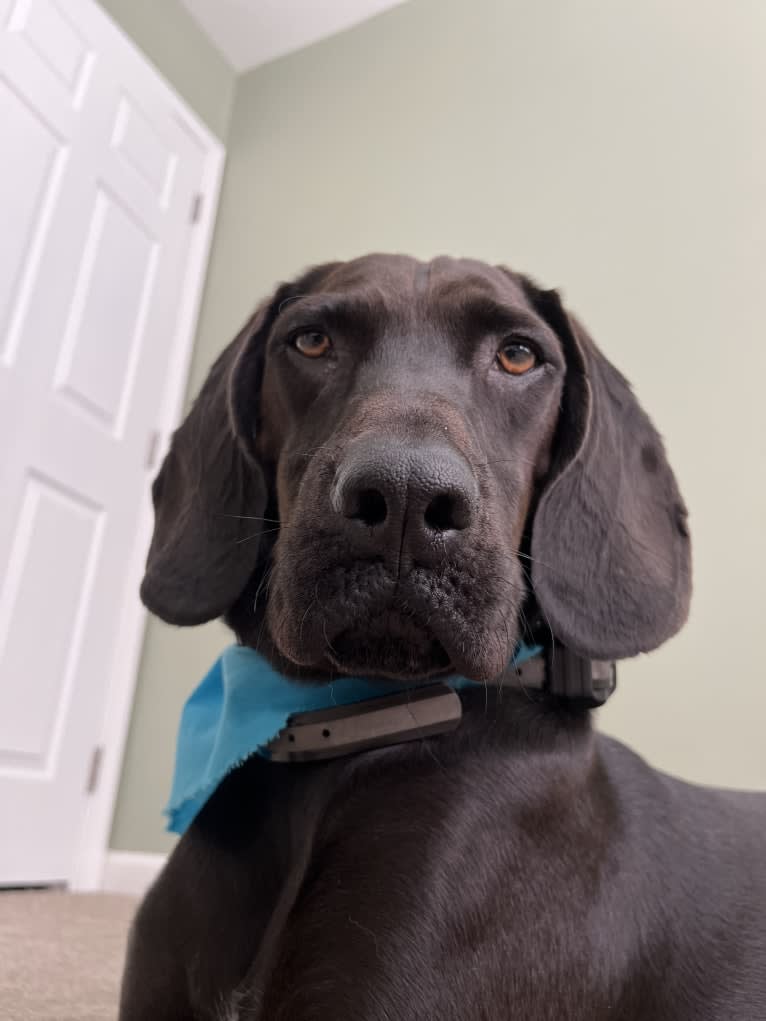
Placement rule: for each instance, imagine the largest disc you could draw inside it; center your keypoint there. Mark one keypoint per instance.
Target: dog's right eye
(516, 359)
(312, 344)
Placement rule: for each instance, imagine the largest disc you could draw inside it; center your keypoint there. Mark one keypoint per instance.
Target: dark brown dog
(424, 460)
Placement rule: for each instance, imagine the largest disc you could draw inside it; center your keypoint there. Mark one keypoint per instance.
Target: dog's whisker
(328, 643)
(303, 621)
(545, 616)
(313, 450)
(253, 517)
(263, 584)
(505, 460)
(256, 535)
(542, 563)
(266, 583)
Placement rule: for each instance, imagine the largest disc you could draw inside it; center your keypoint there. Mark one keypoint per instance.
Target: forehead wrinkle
(462, 290)
(482, 311)
(463, 283)
(347, 309)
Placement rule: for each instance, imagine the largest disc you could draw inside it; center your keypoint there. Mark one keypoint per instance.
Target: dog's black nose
(404, 496)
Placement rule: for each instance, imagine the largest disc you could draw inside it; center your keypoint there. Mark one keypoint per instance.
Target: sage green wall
(181, 51)
(611, 147)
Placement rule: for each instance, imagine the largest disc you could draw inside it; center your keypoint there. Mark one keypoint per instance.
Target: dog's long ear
(611, 563)
(207, 490)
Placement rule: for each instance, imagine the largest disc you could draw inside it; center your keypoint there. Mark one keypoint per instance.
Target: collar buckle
(587, 682)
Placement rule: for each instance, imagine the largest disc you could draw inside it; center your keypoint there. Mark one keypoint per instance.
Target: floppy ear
(611, 563)
(208, 491)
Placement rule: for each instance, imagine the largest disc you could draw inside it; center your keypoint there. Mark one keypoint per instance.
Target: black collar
(434, 709)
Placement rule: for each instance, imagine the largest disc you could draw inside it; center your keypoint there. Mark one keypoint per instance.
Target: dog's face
(392, 457)
(409, 412)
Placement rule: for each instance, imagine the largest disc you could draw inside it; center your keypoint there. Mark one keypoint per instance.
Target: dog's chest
(434, 899)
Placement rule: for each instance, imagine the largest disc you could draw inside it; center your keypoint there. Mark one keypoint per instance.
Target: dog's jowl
(433, 515)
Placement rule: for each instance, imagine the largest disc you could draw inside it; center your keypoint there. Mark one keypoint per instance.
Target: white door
(100, 177)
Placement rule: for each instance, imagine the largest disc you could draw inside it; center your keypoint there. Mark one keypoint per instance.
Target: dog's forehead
(401, 279)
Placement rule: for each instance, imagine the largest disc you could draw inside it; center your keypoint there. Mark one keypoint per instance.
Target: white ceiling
(250, 32)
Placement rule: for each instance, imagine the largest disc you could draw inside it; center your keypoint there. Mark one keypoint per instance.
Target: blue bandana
(240, 706)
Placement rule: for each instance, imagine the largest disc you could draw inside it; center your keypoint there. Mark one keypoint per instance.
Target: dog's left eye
(312, 344)
(516, 358)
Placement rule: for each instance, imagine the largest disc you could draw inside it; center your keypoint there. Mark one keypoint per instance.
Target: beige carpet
(61, 955)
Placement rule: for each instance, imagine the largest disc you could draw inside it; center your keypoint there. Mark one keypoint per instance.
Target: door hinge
(196, 207)
(94, 773)
(151, 448)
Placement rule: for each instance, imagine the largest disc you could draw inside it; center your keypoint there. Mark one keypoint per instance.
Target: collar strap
(431, 710)
(375, 723)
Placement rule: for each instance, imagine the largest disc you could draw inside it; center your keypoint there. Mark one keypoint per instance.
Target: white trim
(89, 866)
(131, 871)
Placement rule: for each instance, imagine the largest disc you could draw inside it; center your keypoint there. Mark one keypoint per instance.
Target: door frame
(93, 843)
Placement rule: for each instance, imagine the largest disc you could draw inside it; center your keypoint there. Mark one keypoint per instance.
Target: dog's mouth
(361, 619)
(392, 646)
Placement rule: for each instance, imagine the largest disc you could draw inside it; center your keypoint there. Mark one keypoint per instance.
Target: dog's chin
(389, 656)
(390, 638)
(396, 647)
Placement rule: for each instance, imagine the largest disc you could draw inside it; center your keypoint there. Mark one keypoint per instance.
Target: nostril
(369, 507)
(447, 512)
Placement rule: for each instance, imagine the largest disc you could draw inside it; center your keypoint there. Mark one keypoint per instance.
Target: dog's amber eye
(516, 358)
(312, 345)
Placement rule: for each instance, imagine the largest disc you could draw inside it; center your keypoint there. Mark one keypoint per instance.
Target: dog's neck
(245, 707)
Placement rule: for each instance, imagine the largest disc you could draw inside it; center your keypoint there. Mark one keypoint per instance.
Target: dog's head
(393, 458)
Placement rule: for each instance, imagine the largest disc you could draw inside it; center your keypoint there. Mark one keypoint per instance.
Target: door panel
(54, 527)
(96, 370)
(24, 199)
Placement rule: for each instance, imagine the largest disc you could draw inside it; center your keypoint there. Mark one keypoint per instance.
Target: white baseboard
(131, 871)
